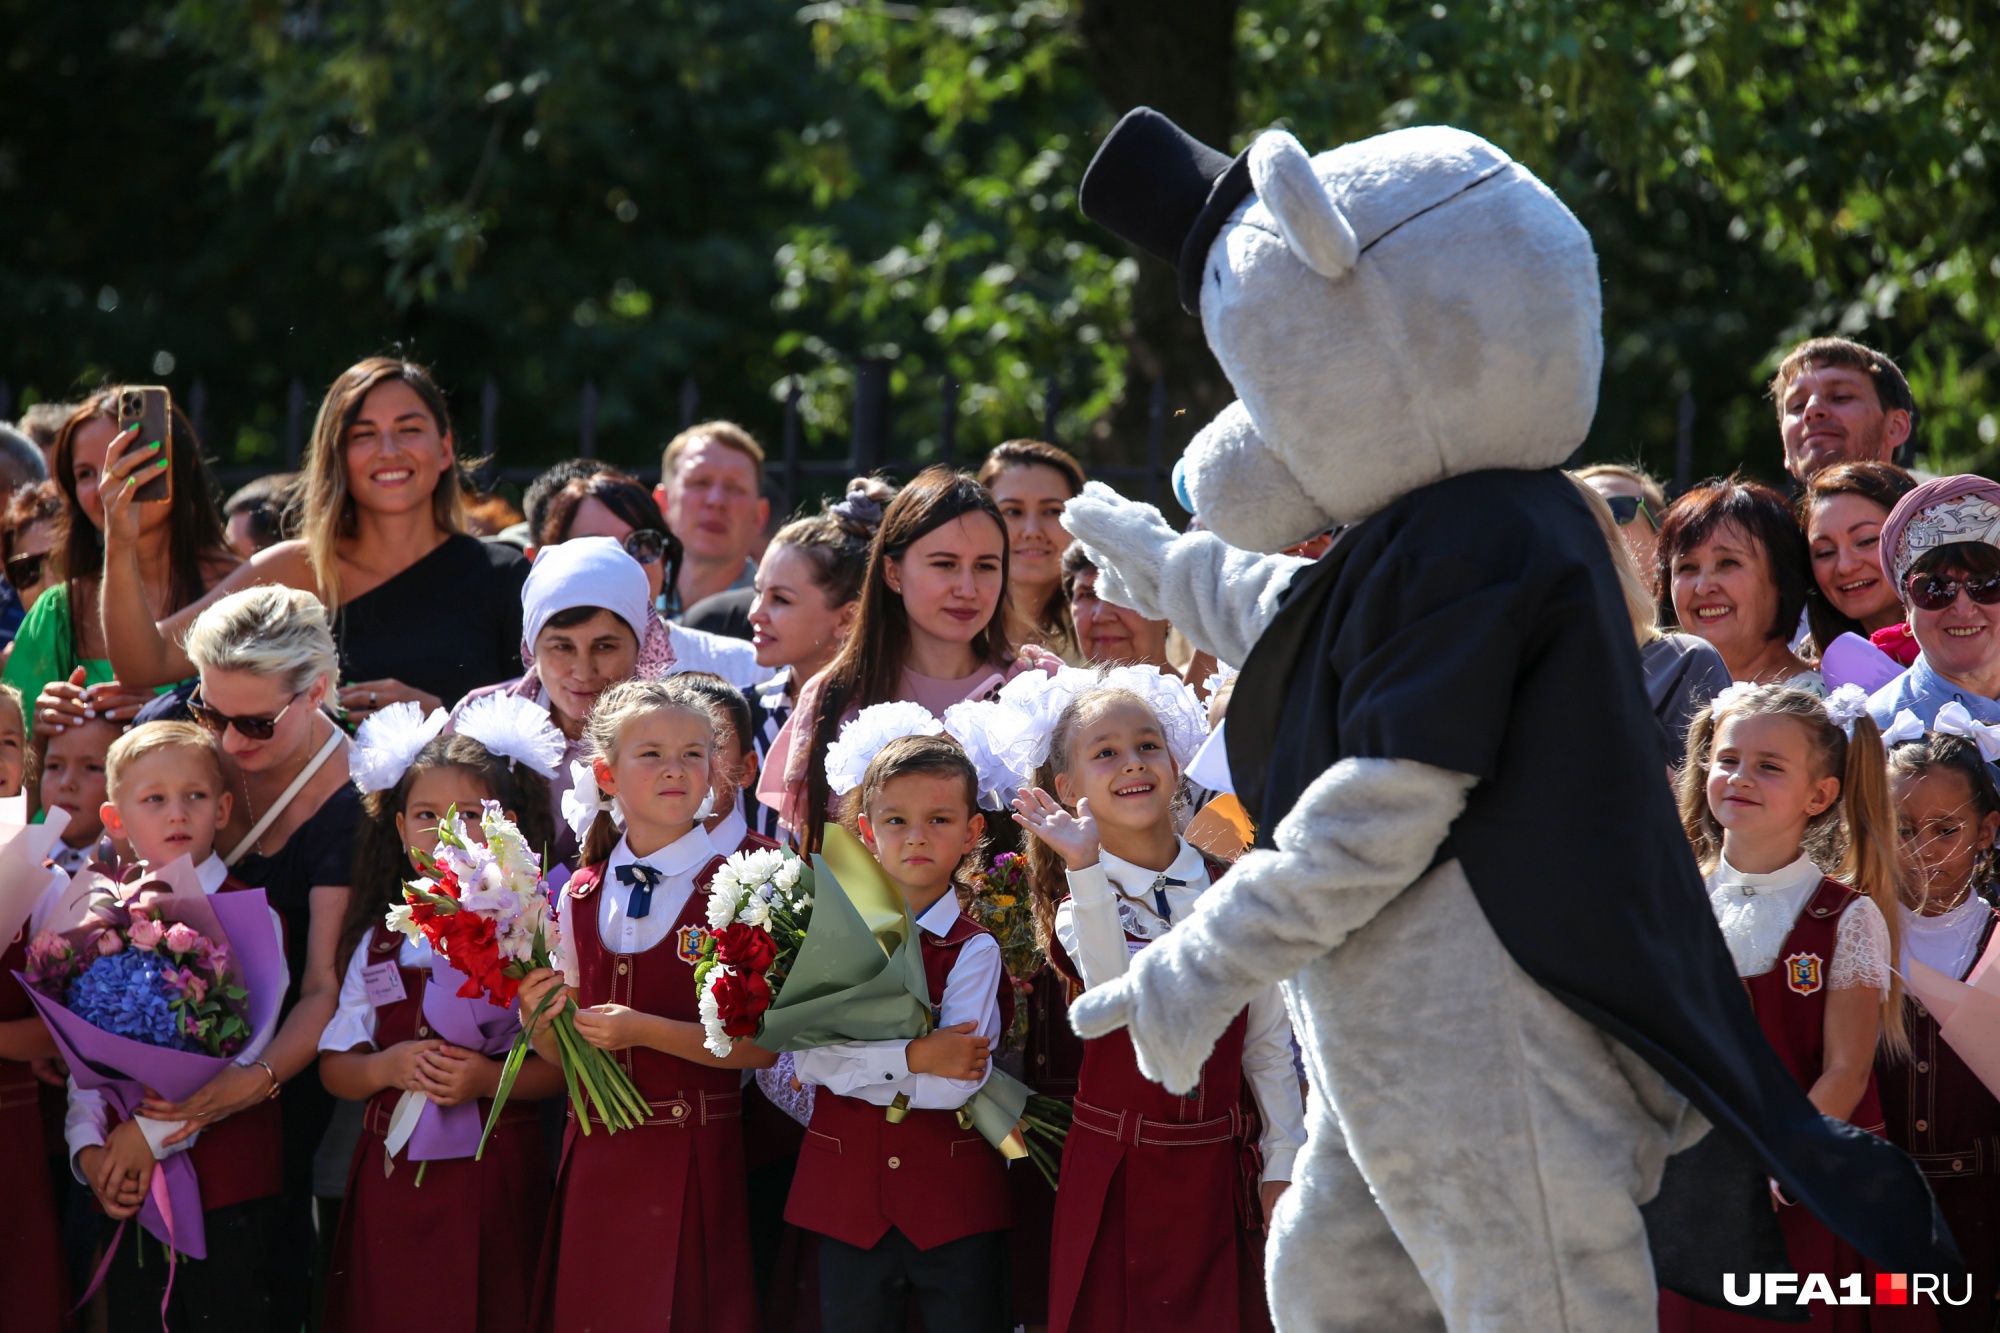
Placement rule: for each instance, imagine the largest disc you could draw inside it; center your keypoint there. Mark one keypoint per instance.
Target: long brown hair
(326, 510)
(1856, 834)
(869, 668)
(194, 529)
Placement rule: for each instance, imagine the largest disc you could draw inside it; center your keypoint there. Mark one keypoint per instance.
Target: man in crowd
(712, 493)
(1840, 402)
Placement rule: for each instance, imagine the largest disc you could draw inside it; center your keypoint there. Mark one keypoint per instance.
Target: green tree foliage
(756, 194)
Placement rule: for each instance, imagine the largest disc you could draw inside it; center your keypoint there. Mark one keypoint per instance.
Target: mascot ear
(1313, 226)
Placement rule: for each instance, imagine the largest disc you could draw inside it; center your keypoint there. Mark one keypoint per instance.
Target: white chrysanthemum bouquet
(759, 906)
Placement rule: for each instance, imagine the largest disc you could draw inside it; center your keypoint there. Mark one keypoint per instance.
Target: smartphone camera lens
(134, 405)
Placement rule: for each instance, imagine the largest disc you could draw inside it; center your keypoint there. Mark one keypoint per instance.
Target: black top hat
(1165, 191)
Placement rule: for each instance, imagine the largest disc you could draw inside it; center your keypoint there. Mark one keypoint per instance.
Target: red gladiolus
(1898, 642)
(746, 948)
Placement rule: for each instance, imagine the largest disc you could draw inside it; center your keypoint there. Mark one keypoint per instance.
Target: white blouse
(1757, 913)
(1115, 899)
(354, 1015)
(680, 861)
(1948, 942)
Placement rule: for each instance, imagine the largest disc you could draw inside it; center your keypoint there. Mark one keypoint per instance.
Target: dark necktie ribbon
(1160, 883)
(642, 879)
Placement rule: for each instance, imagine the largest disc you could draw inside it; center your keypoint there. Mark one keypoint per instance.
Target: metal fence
(871, 436)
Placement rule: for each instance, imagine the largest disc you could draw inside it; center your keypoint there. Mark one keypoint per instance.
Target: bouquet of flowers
(157, 985)
(138, 976)
(1000, 902)
(485, 908)
(801, 955)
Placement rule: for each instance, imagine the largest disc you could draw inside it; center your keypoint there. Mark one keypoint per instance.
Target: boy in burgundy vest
(167, 800)
(916, 1208)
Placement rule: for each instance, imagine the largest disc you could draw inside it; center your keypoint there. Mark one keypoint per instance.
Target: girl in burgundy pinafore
(481, 1217)
(1159, 1220)
(650, 1228)
(1753, 791)
(32, 1272)
(1938, 1111)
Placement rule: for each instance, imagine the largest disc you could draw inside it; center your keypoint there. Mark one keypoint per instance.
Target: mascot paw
(1101, 1011)
(1111, 525)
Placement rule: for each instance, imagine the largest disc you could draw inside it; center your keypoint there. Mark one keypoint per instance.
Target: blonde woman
(421, 610)
(266, 661)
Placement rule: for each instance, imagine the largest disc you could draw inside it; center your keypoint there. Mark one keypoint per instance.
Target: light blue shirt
(1922, 691)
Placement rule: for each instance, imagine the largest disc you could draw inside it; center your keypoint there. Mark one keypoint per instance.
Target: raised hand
(1073, 837)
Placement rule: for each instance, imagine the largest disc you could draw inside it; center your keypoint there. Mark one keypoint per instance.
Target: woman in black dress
(421, 610)
(266, 659)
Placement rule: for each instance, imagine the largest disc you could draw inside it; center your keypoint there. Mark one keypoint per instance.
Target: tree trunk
(1178, 57)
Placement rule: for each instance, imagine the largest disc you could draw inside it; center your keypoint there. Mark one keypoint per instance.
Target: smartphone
(152, 408)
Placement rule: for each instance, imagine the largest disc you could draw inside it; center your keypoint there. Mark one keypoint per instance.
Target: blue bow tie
(1160, 883)
(642, 879)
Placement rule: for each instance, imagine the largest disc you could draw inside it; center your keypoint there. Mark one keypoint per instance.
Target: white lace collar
(1756, 911)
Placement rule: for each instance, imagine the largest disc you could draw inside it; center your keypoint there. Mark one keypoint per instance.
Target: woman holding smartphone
(177, 552)
(422, 611)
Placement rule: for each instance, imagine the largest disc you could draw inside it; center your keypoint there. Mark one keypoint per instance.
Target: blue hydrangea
(125, 994)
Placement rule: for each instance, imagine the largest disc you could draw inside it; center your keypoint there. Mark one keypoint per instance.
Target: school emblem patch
(691, 938)
(1802, 973)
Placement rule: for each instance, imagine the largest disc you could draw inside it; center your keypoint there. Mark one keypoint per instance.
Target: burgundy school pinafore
(32, 1273)
(1790, 1000)
(1157, 1216)
(1949, 1123)
(482, 1217)
(935, 1182)
(650, 1228)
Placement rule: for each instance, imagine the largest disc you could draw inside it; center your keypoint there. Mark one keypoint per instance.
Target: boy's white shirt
(85, 1120)
(1092, 926)
(876, 1071)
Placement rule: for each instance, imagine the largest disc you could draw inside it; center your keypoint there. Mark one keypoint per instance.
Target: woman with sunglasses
(61, 658)
(1731, 567)
(422, 611)
(613, 505)
(1636, 502)
(1941, 547)
(28, 539)
(1842, 511)
(267, 665)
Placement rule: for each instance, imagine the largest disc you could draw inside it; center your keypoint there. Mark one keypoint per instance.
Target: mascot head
(1391, 313)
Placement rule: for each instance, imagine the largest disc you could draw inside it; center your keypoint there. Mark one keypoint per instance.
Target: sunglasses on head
(1625, 508)
(250, 728)
(1935, 592)
(25, 570)
(645, 545)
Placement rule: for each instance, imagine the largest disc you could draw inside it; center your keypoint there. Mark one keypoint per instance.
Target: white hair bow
(514, 728)
(1954, 719)
(847, 759)
(583, 802)
(389, 742)
(1846, 704)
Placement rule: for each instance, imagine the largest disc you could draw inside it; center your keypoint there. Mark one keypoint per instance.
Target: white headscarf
(585, 571)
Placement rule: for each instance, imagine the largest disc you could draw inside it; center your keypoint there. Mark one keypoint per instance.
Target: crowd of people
(292, 690)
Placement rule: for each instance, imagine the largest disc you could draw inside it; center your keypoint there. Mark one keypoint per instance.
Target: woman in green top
(182, 550)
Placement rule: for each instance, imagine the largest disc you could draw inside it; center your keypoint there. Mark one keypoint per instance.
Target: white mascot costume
(1537, 1088)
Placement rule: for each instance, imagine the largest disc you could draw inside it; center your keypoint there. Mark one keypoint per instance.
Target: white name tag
(384, 982)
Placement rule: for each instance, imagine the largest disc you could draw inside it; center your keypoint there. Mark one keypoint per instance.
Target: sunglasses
(1625, 508)
(250, 728)
(1935, 592)
(25, 570)
(645, 545)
